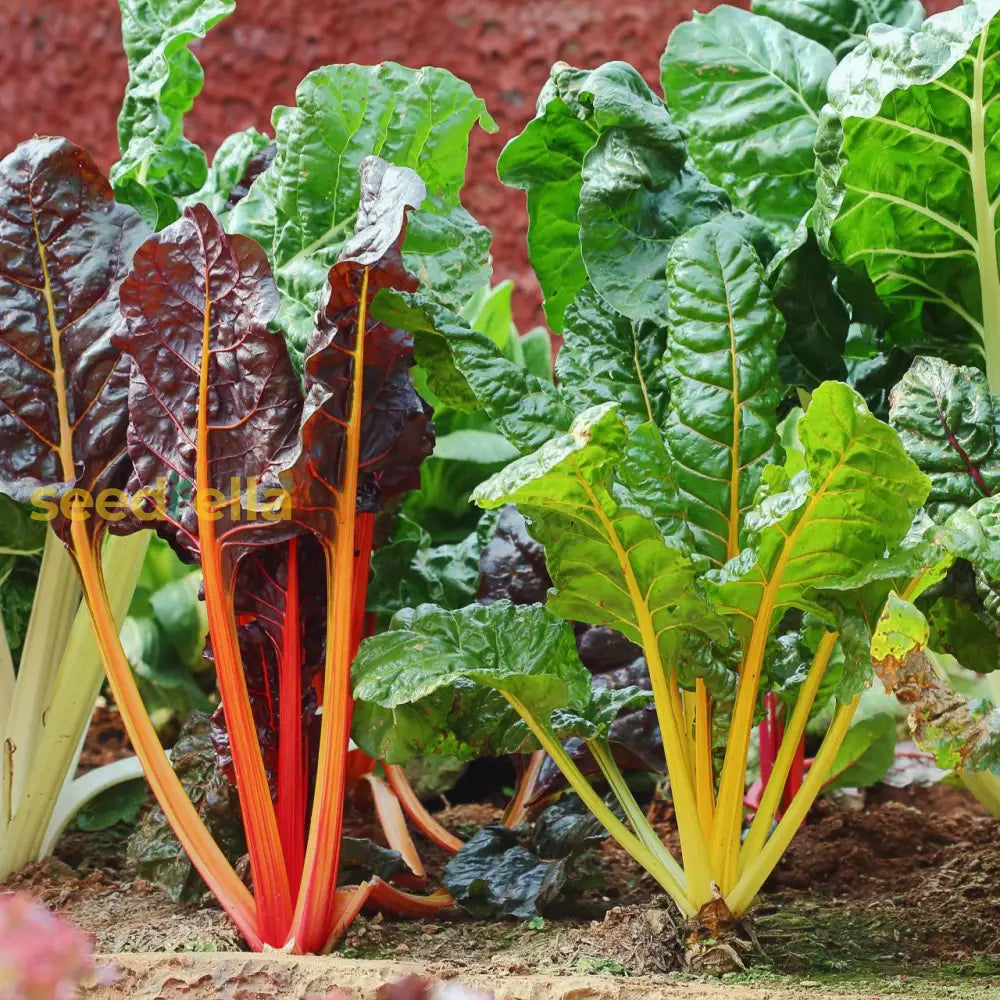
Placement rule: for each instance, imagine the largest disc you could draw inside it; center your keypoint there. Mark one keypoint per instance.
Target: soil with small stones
(897, 886)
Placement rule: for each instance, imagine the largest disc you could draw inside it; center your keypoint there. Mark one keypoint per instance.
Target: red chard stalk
(273, 486)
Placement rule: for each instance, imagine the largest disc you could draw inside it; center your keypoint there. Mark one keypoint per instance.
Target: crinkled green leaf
(640, 192)
(606, 357)
(467, 371)
(441, 677)
(748, 91)
(647, 473)
(153, 851)
(229, 165)
(158, 165)
(817, 319)
(909, 175)
(722, 362)
(546, 160)
(949, 422)
(974, 534)
(606, 554)
(960, 734)
(609, 187)
(840, 24)
(303, 208)
(410, 571)
(854, 502)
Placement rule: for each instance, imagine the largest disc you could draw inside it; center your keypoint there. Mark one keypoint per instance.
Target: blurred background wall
(62, 71)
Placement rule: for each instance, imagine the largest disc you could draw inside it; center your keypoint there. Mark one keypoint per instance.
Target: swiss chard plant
(237, 393)
(50, 666)
(708, 270)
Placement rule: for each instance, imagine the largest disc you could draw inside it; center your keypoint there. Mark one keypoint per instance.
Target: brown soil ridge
(154, 976)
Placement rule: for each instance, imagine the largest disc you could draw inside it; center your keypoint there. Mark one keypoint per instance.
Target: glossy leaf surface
(63, 389)
(440, 678)
(927, 237)
(466, 370)
(722, 363)
(840, 25)
(831, 522)
(609, 187)
(210, 381)
(606, 357)
(607, 556)
(748, 91)
(303, 208)
(949, 423)
(158, 165)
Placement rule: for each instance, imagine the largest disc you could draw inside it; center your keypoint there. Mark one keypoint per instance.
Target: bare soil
(902, 889)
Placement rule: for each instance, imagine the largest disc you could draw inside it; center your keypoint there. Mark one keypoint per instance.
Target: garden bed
(899, 898)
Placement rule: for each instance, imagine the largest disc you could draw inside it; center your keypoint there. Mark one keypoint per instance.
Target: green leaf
(153, 851)
(609, 187)
(840, 24)
(865, 756)
(304, 206)
(490, 311)
(722, 362)
(830, 523)
(960, 733)
(435, 681)
(466, 371)
(20, 534)
(546, 160)
(909, 174)
(606, 357)
(484, 447)
(158, 164)
(410, 571)
(536, 346)
(749, 91)
(608, 558)
(182, 618)
(949, 422)
(119, 804)
(957, 630)
(229, 165)
(974, 535)
(817, 320)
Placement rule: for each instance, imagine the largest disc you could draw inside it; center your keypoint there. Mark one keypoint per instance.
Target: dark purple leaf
(65, 246)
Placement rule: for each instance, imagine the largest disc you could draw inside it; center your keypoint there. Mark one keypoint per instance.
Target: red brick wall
(62, 71)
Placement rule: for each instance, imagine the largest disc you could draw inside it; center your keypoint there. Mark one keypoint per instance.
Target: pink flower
(42, 956)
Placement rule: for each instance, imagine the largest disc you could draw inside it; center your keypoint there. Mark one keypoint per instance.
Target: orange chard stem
(293, 776)
(414, 808)
(315, 919)
(267, 862)
(393, 823)
(517, 810)
(187, 825)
